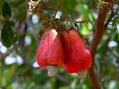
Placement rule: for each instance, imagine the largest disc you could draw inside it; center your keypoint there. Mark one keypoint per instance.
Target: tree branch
(93, 47)
(3, 56)
(111, 50)
(98, 33)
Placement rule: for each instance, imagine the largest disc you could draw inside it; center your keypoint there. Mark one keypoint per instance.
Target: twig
(3, 56)
(62, 79)
(28, 22)
(22, 56)
(112, 51)
(110, 18)
(58, 76)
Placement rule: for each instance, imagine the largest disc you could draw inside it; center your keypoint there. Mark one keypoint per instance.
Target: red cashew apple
(50, 52)
(77, 56)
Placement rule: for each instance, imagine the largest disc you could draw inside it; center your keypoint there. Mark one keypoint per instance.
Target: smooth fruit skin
(77, 56)
(50, 50)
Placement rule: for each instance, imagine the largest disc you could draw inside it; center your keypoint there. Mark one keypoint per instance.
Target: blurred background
(20, 37)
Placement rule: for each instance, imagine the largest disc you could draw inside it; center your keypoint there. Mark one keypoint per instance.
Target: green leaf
(16, 3)
(84, 10)
(6, 10)
(8, 36)
(11, 72)
(11, 23)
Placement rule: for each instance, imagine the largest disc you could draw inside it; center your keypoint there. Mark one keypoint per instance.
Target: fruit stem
(82, 74)
(55, 12)
(69, 19)
(52, 70)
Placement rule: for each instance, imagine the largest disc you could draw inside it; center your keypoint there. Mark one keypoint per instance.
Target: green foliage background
(16, 25)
